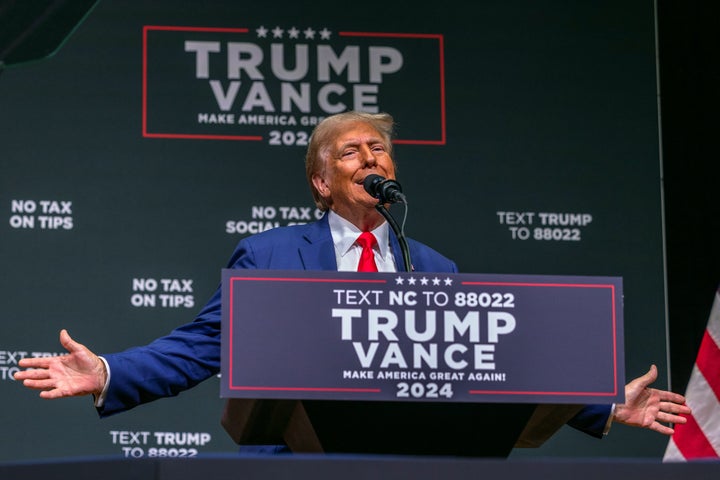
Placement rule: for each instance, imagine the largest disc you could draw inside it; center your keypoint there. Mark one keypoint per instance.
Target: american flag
(699, 438)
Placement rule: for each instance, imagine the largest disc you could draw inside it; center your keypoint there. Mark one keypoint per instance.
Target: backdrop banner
(157, 135)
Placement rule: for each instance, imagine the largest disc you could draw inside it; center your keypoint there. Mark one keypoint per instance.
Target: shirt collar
(345, 233)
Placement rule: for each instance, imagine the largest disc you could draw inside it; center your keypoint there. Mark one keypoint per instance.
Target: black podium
(395, 428)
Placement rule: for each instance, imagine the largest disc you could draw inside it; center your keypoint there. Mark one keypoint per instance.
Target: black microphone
(385, 190)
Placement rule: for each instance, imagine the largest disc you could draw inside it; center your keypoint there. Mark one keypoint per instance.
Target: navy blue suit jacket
(191, 353)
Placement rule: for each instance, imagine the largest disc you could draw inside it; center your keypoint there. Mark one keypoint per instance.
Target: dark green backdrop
(509, 106)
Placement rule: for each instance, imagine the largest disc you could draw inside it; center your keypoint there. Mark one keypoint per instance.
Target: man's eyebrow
(356, 141)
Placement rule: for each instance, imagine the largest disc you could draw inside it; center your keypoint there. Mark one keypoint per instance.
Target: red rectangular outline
(255, 138)
(471, 392)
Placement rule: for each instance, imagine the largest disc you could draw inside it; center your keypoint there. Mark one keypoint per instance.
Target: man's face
(358, 152)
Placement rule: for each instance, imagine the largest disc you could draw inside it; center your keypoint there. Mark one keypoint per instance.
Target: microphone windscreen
(371, 183)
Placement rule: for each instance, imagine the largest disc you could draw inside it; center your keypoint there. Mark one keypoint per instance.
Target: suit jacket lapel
(318, 253)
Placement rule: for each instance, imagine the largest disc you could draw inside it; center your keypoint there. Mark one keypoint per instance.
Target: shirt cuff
(100, 399)
(608, 424)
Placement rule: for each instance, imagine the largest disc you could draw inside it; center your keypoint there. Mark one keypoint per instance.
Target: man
(343, 150)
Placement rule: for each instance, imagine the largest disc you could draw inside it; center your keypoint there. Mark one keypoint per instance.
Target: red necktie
(367, 258)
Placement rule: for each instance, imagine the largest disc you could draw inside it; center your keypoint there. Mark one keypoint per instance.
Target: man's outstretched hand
(78, 373)
(650, 408)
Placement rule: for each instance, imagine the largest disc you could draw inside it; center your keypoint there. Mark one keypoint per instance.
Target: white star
(293, 32)
(277, 32)
(448, 281)
(325, 34)
(261, 32)
(423, 281)
(411, 281)
(436, 281)
(399, 281)
(309, 33)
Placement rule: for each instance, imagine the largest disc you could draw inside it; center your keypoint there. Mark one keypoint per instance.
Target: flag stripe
(705, 408)
(691, 441)
(708, 361)
(713, 325)
(672, 454)
(700, 436)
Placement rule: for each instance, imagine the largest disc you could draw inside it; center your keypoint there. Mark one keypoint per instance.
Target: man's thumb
(649, 377)
(67, 342)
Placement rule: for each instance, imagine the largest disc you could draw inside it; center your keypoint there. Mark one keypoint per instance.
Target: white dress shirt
(347, 251)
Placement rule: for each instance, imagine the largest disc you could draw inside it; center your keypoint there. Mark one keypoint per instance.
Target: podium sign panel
(422, 337)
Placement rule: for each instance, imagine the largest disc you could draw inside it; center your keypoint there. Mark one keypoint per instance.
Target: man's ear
(320, 185)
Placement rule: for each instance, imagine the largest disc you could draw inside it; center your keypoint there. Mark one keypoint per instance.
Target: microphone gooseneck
(389, 191)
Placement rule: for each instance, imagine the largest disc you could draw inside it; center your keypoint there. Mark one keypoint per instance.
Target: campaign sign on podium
(417, 337)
